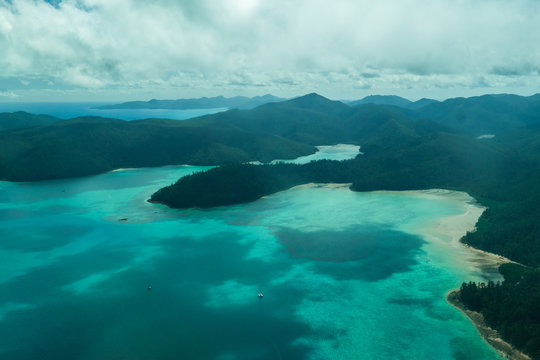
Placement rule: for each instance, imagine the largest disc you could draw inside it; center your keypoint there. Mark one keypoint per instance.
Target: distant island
(237, 102)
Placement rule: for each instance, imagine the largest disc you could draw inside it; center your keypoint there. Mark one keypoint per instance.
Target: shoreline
(491, 336)
(448, 231)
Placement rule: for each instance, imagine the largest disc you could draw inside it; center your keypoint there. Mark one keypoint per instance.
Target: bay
(90, 270)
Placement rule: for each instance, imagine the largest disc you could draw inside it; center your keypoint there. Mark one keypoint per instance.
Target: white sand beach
(446, 232)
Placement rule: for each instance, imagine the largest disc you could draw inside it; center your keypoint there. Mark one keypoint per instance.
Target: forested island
(488, 146)
(510, 306)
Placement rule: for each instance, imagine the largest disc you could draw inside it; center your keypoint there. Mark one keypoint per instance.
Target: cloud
(288, 46)
(8, 94)
(520, 69)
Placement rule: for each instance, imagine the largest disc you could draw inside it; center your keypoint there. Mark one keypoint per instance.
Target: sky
(121, 50)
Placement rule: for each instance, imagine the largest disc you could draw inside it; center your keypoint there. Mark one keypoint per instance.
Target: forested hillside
(287, 129)
(511, 307)
(22, 120)
(86, 146)
(487, 114)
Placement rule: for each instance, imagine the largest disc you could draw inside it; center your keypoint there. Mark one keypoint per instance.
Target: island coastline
(454, 228)
(491, 336)
(450, 230)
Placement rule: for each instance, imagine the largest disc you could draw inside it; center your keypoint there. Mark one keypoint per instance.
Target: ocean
(75, 109)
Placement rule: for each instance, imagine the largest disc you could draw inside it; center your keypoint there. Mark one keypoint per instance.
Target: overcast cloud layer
(138, 49)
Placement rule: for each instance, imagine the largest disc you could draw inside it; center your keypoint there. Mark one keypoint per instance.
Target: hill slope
(487, 114)
(284, 129)
(22, 120)
(85, 146)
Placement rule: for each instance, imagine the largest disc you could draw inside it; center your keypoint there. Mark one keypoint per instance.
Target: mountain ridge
(297, 124)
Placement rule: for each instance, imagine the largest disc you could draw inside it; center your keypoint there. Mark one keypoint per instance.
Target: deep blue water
(72, 110)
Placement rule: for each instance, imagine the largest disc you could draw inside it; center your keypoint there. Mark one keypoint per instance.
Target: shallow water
(345, 275)
(327, 152)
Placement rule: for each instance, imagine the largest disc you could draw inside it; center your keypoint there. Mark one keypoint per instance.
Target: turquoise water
(328, 152)
(344, 275)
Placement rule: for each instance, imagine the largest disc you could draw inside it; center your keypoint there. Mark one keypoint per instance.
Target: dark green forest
(406, 146)
(22, 120)
(511, 307)
(241, 183)
(93, 145)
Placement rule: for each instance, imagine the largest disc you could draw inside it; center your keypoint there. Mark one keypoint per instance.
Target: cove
(345, 275)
